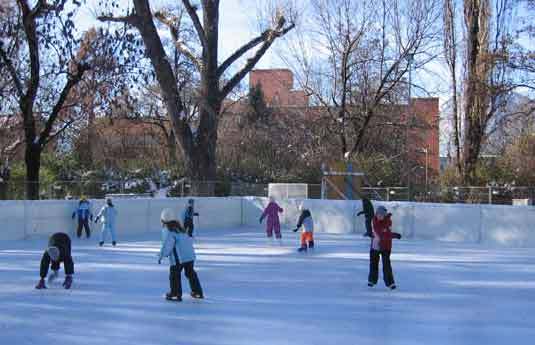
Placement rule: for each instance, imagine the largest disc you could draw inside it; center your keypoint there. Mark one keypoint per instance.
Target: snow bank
(491, 224)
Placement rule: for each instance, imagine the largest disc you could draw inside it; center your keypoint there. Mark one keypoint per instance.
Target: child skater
(272, 211)
(178, 246)
(57, 251)
(187, 217)
(83, 212)
(381, 245)
(307, 236)
(108, 213)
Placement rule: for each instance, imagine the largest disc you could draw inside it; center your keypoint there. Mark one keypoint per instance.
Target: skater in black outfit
(58, 250)
(187, 217)
(367, 210)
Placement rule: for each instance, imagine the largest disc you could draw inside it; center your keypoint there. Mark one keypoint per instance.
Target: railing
(15, 190)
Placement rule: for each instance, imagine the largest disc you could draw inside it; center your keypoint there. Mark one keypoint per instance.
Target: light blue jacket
(108, 214)
(177, 246)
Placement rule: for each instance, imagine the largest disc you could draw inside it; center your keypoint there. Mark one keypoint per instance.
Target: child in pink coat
(272, 211)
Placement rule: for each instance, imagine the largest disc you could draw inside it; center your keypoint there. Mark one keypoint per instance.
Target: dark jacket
(63, 242)
(367, 208)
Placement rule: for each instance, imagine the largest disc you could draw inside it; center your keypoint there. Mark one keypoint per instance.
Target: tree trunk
(33, 164)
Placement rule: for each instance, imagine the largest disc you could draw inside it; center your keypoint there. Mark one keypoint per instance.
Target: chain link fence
(15, 190)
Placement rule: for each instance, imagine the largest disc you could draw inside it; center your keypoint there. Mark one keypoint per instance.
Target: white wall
(490, 224)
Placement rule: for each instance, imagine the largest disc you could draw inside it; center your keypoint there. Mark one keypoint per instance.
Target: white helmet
(53, 252)
(168, 215)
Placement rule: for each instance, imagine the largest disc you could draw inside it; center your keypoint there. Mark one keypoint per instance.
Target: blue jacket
(187, 215)
(177, 246)
(83, 211)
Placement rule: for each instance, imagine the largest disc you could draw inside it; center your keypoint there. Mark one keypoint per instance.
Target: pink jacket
(272, 211)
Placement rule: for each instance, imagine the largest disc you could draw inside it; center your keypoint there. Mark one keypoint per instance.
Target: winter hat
(168, 216)
(53, 252)
(381, 211)
(109, 201)
(191, 201)
(300, 207)
(271, 199)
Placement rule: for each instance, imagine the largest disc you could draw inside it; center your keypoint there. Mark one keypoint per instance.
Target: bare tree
(198, 144)
(356, 65)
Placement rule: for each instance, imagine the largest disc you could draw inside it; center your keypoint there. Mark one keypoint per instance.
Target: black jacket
(304, 215)
(367, 208)
(63, 242)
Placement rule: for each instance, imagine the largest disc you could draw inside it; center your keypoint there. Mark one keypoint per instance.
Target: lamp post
(410, 59)
(426, 151)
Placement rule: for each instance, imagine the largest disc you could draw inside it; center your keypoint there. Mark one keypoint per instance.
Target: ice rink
(262, 293)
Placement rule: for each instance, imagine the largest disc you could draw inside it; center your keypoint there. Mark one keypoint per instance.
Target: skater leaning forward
(178, 246)
(58, 250)
(272, 211)
(381, 246)
(307, 236)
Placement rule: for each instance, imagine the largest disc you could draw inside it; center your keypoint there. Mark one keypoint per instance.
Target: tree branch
(12, 72)
(196, 22)
(238, 53)
(131, 19)
(271, 37)
(71, 82)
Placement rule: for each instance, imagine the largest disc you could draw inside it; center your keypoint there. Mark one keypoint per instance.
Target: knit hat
(168, 216)
(191, 201)
(381, 211)
(53, 252)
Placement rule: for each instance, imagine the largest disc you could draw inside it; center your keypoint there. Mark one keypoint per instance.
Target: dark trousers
(388, 276)
(188, 225)
(83, 223)
(368, 223)
(193, 279)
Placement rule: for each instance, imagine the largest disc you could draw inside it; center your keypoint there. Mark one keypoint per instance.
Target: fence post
(490, 195)
(388, 194)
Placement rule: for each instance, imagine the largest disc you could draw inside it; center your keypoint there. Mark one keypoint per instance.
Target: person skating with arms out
(108, 214)
(58, 251)
(272, 211)
(381, 246)
(307, 235)
(178, 246)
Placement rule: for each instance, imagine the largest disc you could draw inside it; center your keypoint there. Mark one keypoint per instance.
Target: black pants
(83, 223)
(368, 223)
(193, 279)
(188, 225)
(388, 276)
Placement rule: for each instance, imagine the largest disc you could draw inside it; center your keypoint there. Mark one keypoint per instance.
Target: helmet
(168, 215)
(53, 252)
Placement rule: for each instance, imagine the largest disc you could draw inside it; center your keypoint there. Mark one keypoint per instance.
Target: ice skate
(68, 282)
(170, 297)
(196, 295)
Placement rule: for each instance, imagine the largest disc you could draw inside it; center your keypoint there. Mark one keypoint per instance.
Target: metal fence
(15, 190)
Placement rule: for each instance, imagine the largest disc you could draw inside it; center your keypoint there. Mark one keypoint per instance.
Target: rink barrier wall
(490, 224)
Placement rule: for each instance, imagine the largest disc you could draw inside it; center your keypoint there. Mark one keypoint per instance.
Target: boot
(171, 297)
(114, 243)
(197, 295)
(101, 243)
(302, 248)
(310, 244)
(68, 282)
(41, 284)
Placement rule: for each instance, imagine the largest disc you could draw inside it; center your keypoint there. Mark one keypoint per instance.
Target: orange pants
(306, 237)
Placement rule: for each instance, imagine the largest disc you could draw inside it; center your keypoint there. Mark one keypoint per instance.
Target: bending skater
(108, 214)
(58, 251)
(178, 246)
(381, 245)
(272, 211)
(307, 236)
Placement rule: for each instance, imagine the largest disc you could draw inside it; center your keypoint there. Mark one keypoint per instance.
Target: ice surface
(260, 293)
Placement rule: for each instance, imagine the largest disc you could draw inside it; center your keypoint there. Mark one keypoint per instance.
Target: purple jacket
(272, 211)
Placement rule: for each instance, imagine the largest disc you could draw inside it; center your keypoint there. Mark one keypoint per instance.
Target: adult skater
(178, 246)
(108, 214)
(381, 245)
(84, 214)
(307, 236)
(187, 216)
(367, 210)
(58, 250)
(272, 211)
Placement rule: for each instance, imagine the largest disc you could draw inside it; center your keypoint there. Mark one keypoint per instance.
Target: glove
(41, 284)
(91, 217)
(159, 261)
(260, 220)
(396, 235)
(96, 220)
(295, 230)
(196, 214)
(73, 215)
(68, 282)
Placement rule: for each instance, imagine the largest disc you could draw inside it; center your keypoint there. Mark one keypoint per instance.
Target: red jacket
(382, 233)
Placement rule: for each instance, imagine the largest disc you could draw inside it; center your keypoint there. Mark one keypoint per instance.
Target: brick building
(423, 114)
